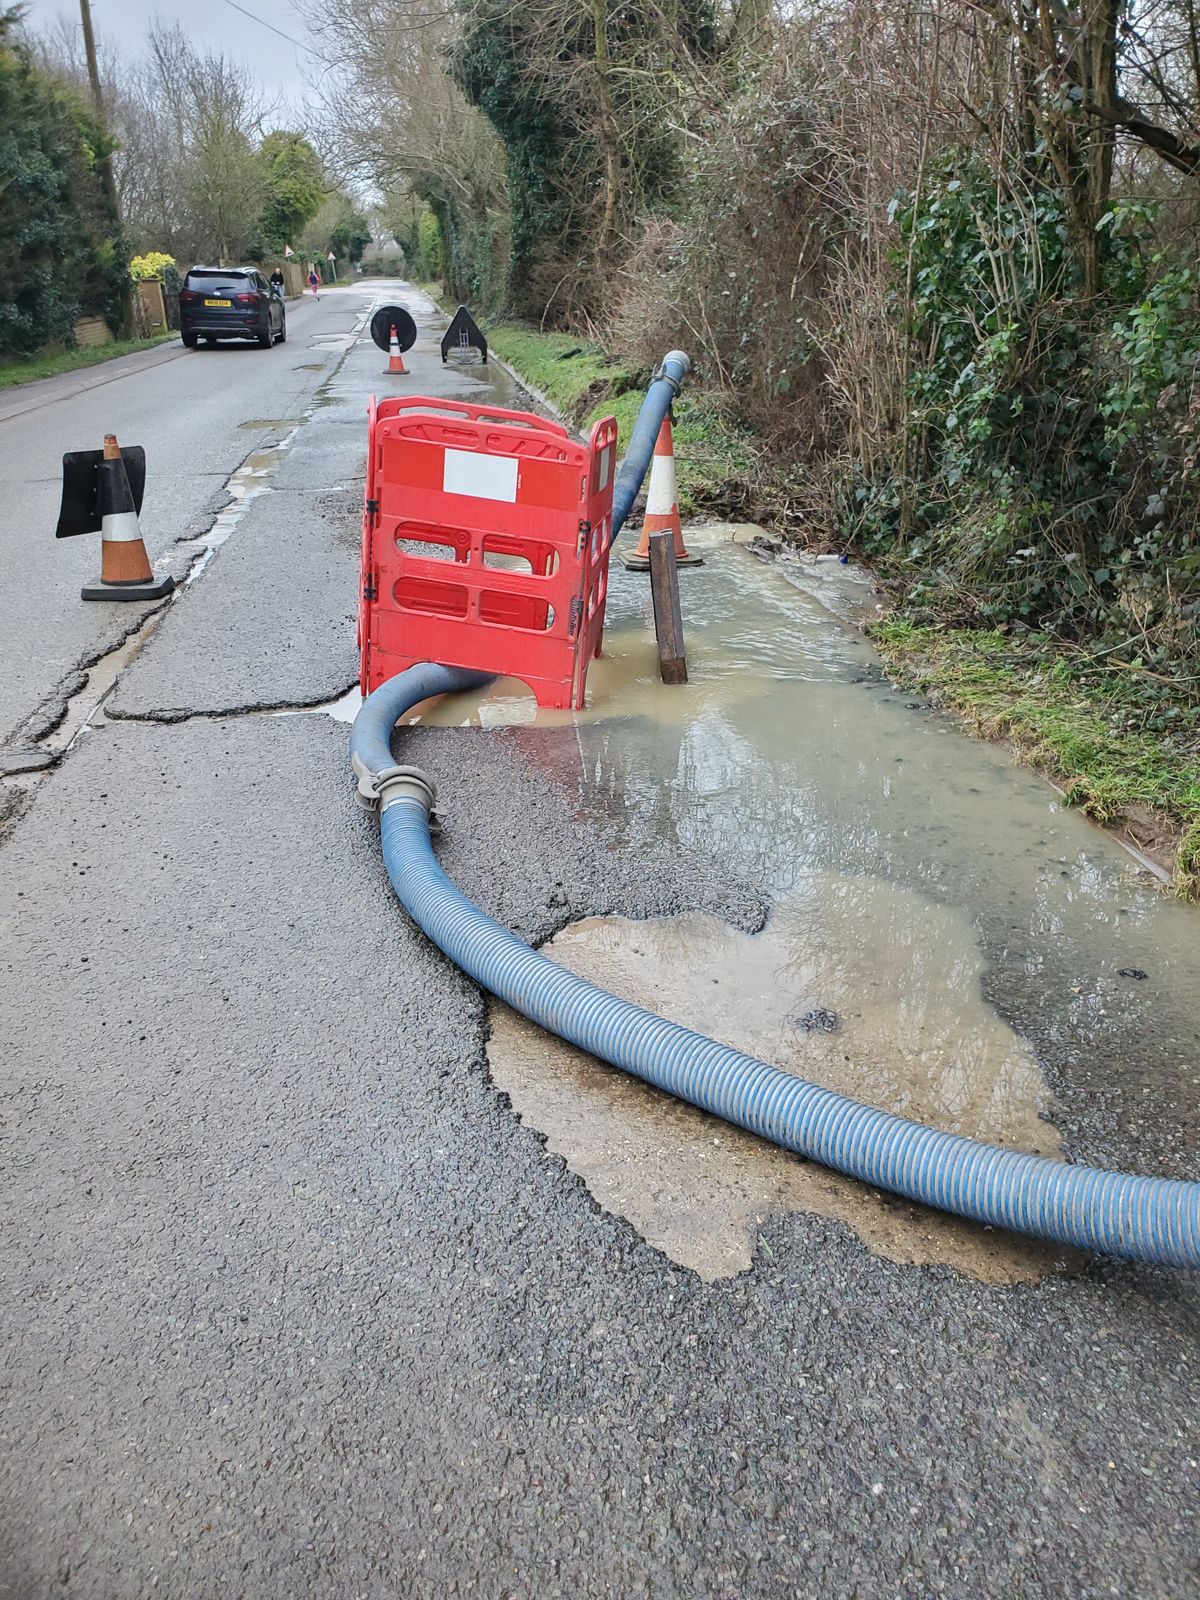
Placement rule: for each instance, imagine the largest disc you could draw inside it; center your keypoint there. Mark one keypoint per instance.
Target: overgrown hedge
(61, 251)
(1050, 476)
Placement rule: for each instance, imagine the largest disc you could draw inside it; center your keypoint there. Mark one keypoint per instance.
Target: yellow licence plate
(218, 302)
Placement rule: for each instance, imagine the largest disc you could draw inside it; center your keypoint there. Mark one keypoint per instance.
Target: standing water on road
(966, 945)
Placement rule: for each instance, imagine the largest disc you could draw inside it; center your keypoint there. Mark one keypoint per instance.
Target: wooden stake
(668, 619)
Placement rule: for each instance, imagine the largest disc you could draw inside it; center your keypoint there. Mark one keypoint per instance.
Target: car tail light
(246, 299)
(189, 294)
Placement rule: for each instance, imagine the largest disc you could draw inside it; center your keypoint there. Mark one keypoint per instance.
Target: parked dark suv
(230, 303)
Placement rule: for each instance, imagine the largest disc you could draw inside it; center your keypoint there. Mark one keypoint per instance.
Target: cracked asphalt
(198, 413)
(294, 1306)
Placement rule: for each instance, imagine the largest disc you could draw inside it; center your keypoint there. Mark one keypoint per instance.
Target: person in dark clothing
(277, 280)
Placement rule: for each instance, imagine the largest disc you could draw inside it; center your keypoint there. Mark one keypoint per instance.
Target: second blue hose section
(371, 735)
(664, 386)
(1149, 1219)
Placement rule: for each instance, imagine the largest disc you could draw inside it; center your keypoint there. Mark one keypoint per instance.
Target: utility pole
(107, 178)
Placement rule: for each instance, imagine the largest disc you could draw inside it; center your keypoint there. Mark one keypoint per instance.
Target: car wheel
(266, 339)
(283, 330)
(189, 340)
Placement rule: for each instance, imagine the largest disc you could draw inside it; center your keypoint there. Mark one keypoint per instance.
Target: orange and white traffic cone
(662, 507)
(125, 571)
(395, 357)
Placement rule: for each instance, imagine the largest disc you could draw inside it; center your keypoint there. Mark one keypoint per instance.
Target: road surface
(198, 413)
(294, 1304)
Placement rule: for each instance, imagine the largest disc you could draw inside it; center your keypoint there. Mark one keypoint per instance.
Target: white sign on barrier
(484, 477)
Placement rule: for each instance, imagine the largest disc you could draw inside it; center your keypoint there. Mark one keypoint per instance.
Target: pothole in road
(861, 987)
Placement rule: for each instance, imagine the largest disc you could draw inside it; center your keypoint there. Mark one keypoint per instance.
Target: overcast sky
(212, 25)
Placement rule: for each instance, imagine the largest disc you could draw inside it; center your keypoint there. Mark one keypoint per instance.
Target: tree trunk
(1098, 48)
(1074, 94)
(610, 143)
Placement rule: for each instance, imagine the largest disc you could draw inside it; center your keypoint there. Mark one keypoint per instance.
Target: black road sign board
(387, 317)
(80, 512)
(462, 334)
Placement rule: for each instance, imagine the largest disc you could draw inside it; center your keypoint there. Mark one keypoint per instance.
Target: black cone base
(635, 563)
(155, 589)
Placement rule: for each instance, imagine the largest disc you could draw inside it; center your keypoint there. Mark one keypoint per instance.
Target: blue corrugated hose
(1144, 1219)
(664, 386)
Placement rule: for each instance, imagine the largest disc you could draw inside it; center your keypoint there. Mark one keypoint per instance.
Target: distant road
(189, 408)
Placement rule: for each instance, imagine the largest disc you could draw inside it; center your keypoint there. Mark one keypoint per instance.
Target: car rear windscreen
(211, 275)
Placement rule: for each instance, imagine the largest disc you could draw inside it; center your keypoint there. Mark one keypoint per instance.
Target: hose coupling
(378, 790)
(674, 368)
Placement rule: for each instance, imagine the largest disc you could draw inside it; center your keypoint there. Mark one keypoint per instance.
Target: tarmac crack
(78, 702)
(52, 729)
(170, 716)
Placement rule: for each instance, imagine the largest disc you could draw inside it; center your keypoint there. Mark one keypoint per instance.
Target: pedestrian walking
(314, 282)
(277, 281)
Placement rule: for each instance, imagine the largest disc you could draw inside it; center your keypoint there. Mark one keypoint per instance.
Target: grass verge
(1144, 784)
(29, 370)
(717, 465)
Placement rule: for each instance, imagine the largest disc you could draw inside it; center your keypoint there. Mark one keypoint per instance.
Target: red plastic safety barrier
(486, 540)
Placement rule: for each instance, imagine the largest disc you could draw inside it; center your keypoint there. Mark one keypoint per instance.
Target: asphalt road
(191, 410)
(295, 1306)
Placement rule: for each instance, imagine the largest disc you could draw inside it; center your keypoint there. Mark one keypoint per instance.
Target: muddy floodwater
(945, 939)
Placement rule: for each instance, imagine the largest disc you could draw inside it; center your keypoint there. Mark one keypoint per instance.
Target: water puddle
(742, 636)
(346, 707)
(843, 590)
(250, 480)
(342, 709)
(853, 984)
(888, 844)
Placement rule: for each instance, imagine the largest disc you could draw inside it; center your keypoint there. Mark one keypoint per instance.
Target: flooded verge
(789, 759)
